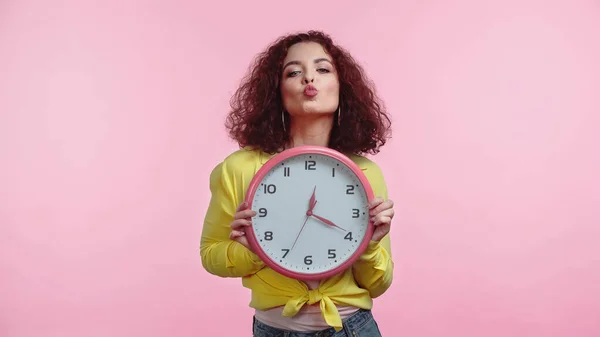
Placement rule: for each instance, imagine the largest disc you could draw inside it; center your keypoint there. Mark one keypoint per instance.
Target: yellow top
(369, 277)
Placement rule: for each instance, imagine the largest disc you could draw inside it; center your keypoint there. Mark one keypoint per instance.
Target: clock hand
(327, 222)
(297, 236)
(313, 201)
(311, 204)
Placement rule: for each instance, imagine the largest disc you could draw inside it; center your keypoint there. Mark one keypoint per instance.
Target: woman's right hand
(242, 219)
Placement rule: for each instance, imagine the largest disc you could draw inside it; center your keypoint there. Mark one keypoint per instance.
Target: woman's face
(309, 84)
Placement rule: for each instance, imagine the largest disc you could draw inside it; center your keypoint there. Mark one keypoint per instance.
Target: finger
(382, 206)
(387, 212)
(388, 204)
(375, 202)
(382, 219)
(239, 224)
(248, 213)
(236, 234)
(242, 206)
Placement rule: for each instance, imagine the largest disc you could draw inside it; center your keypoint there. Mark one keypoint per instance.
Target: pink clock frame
(255, 183)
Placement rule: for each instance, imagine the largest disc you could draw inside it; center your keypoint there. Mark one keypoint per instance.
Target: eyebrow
(315, 61)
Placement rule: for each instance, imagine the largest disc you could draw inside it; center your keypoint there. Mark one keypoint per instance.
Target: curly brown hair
(255, 118)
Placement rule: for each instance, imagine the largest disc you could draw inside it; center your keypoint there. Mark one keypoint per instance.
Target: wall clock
(312, 218)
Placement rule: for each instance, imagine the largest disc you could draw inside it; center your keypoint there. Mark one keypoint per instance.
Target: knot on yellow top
(314, 296)
(320, 295)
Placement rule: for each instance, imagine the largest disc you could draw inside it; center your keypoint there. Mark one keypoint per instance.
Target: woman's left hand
(382, 213)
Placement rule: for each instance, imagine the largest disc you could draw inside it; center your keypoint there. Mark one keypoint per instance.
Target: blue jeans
(360, 324)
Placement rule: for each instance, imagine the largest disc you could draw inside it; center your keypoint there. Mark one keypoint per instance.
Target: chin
(313, 113)
(317, 110)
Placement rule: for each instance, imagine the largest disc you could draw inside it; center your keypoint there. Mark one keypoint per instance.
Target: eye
(323, 70)
(293, 73)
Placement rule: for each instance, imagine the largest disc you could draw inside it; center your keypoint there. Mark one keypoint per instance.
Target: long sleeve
(220, 255)
(375, 268)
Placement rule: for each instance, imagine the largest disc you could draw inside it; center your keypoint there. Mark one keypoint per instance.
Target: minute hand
(328, 222)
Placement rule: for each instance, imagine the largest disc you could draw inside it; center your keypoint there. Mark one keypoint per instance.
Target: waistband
(351, 323)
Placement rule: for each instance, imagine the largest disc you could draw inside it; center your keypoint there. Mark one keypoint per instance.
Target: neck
(311, 131)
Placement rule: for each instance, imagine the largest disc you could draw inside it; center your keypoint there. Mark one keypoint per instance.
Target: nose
(308, 78)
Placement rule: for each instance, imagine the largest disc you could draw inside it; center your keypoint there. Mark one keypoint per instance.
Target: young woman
(302, 90)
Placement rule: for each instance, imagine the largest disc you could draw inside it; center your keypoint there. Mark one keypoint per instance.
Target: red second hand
(297, 236)
(311, 204)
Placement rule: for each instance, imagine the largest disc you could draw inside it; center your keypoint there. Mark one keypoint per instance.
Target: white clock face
(327, 238)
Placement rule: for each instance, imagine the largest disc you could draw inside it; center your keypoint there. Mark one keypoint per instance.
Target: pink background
(105, 108)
